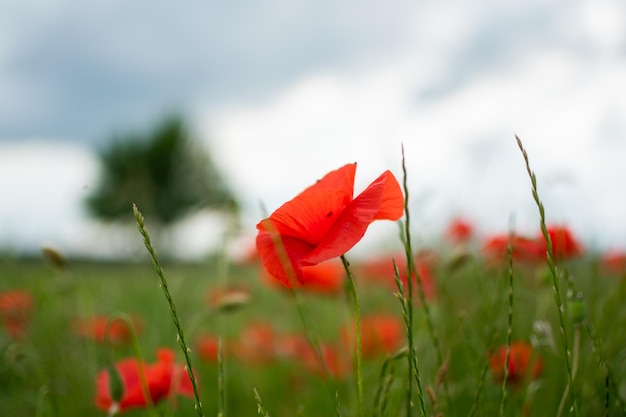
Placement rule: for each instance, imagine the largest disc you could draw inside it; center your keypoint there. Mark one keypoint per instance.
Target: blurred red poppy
(164, 378)
(524, 248)
(614, 261)
(324, 278)
(95, 328)
(16, 308)
(521, 364)
(324, 221)
(256, 343)
(381, 270)
(564, 244)
(207, 347)
(336, 363)
(459, 230)
(380, 334)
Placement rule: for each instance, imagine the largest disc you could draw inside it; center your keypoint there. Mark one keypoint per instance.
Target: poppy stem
(180, 335)
(357, 323)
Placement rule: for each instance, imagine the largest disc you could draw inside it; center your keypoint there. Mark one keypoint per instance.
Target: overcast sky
(281, 93)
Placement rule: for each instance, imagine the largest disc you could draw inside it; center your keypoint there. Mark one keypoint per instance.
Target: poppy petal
(339, 179)
(311, 214)
(275, 263)
(353, 222)
(392, 200)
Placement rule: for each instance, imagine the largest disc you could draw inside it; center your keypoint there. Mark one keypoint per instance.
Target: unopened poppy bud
(544, 275)
(458, 260)
(577, 308)
(54, 258)
(230, 300)
(116, 385)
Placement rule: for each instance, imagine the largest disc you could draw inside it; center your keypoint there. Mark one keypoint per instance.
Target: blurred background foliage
(164, 172)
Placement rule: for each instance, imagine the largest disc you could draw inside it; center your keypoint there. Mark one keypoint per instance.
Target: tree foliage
(164, 172)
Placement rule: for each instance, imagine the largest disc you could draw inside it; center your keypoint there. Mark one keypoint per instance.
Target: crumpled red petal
(382, 199)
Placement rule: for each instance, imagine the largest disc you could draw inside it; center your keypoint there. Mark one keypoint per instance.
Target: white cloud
(554, 101)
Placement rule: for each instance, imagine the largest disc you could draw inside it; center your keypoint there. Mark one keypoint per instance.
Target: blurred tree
(164, 173)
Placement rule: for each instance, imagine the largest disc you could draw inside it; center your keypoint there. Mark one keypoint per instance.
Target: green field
(51, 371)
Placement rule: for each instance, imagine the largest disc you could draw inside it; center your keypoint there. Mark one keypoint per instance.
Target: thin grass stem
(576, 353)
(260, 409)
(163, 284)
(357, 324)
(412, 271)
(42, 394)
(143, 382)
(385, 380)
(553, 272)
(411, 355)
(509, 329)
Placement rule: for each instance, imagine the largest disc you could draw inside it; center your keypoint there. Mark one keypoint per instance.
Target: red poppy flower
(324, 278)
(521, 364)
(16, 307)
(380, 334)
(459, 230)
(564, 244)
(324, 221)
(336, 363)
(256, 344)
(207, 347)
(524, 248)
(381, 270)
(614, 261)
(95, 329)
(163, 378)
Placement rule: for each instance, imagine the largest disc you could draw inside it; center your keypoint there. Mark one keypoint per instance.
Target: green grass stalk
(553, 272)
(385, 380)
(412, 270)
(125, 318)
(42, 394)
(260, 409)
(180, 337)
(221, 391)
(509, 329)
(357, 324)
(413, 364)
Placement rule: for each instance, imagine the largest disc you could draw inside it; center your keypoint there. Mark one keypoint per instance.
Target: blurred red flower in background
(16, 308)
(521, 364)
(95, 328)
(163, 378)
(459, 230)
(256, 343)
(324, 221)
(524, 248)
(336, 363)
(207, 347)
(564, 244)
(381, 270)
(380, 334)
(614, 261)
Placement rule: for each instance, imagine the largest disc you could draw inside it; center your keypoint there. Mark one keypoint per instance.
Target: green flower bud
(577, 308)
(116, 385)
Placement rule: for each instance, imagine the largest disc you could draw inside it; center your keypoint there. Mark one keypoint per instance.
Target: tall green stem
(357, 323)
(180, 337)
(552, 267)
